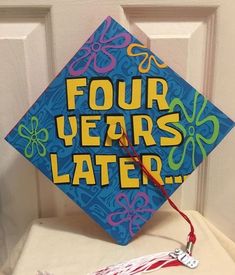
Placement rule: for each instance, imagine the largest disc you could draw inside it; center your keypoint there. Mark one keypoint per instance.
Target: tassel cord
(136, 158)
(154, 262)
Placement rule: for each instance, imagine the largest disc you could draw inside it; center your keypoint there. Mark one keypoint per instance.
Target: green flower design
(35, 138)
(192, 131)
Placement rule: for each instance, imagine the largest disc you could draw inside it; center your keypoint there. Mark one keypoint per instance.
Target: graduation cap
(112, 95)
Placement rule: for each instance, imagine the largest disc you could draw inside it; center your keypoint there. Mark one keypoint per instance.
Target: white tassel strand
(137, 265)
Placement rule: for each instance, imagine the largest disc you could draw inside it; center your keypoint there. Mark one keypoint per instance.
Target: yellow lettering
(68, 139)
(72, 85)
(103, 161)
(155, 95)
(86, 125)
(139, 132)
(135, 102)
(116, 124)
(126, 165)
(177, 135)
(55, 174)
(156, 173)
(80, 173)
(106, 86)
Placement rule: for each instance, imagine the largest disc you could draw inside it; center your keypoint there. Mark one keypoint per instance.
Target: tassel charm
(185, 258)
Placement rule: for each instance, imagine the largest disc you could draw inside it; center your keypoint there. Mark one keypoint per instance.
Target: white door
(37, 38)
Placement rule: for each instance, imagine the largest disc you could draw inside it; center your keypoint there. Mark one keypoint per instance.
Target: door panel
(24, 73)
(180, 37)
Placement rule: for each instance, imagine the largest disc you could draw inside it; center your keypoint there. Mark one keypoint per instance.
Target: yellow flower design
(145, 63)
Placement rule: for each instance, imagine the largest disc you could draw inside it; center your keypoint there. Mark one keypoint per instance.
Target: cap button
(115, 131)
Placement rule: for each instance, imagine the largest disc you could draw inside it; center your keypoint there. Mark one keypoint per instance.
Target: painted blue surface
(99, 202)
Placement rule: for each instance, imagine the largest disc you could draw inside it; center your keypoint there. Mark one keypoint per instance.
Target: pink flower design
(135, 213)
(95, 49)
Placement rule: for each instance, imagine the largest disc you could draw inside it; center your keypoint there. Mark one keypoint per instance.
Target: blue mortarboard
(114, 84)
